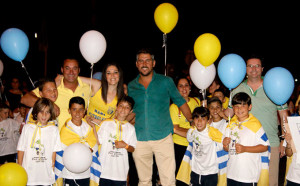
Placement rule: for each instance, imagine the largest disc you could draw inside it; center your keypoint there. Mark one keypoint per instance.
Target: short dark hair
(255, 56)
(145, 51)
(241, 98)
(201, 112)
(127, 99)
(40, 104)
(43, 81)
(214, 99)
(3, 106)
(220, 90)
(78, 100)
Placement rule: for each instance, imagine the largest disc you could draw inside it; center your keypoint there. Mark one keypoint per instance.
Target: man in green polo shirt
(264, 110)
(152, 93)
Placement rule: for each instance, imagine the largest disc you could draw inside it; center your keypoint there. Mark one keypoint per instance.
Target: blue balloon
(97, 75)
(14, 43)
(232, 70)
(278, 85)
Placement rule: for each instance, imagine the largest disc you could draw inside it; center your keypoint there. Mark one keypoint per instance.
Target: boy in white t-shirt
(9, 135)
(217, 115)
(117, 137)
(76, 130)
(204, 137)
(246, 143)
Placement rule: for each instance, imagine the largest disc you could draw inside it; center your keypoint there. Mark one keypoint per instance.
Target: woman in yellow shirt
(107, 93)
(181, 124)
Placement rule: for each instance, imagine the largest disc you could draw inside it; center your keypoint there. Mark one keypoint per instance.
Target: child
(219, 122)
(9, 133)
(246, 142)
(76, 130)
(221, 95)
(20, 117)
(204, 162)
(117, 137)
(39, 143)
(292, 177)
(47, 89)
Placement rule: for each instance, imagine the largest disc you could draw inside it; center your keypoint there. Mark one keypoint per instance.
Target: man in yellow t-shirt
(70, 86)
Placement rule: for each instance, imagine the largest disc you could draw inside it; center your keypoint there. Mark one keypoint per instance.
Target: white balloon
(1, 67)
(92, 46)
(202, 76)
(77, 158)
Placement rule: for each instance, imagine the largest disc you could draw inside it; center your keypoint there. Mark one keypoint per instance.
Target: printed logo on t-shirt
(115, 152)
(234, 140)
(39, 151)
(110, 110)
(3, 135)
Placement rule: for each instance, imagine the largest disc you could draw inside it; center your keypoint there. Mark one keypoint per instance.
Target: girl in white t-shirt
(39, 143)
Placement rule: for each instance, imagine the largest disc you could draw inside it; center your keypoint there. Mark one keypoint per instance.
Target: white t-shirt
(9, 136)
(244, 167)
(204, 161)
(293, 174)
(114, 162)
(81, 130)
(220, 125)
(37, 161)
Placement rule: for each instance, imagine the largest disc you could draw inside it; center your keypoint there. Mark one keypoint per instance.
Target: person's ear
(250, 107)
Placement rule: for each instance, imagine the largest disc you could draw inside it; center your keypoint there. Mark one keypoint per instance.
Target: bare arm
(180, 131)
(95, 83)
(53, 159)
(288, 148)
(20, 157)
(185, 109)
(29, 99)
(122, 144)
(251, 149)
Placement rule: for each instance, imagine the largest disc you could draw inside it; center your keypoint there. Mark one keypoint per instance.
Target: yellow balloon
(166, 17)
(12, 174)
(207, 49)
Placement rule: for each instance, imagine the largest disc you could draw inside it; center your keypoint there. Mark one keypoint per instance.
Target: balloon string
(203, 92)
(230, 97)
(165, 46)
(27, 74)
(92, 67)
(1, 85)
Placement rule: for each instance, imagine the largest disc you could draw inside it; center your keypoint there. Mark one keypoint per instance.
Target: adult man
(264, 110)
(70, 86)
(152, 93)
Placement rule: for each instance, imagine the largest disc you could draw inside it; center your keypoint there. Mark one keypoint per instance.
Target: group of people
(151, 122)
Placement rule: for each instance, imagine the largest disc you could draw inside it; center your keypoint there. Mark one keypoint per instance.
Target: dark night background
(268, 29)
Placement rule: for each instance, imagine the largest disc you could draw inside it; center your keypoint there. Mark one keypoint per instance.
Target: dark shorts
(107, 182)
(8, 158)
(81, 182)
(231, 182)
(204, 180)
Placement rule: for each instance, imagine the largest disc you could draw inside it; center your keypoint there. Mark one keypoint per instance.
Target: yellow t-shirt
(179, 119)
(225, 104)
(99, 109)
(64, 96)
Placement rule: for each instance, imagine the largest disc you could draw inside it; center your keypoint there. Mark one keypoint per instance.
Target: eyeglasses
(143, 61)
(256, 66)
